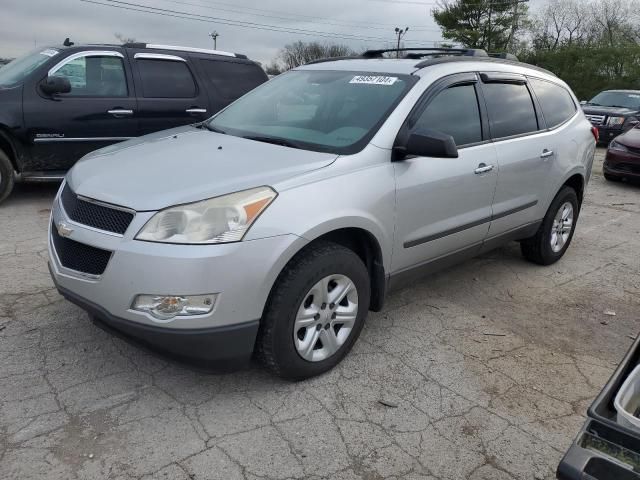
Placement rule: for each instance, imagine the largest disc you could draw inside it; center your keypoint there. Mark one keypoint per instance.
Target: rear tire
(6, 176)
(554, 236)
(301, 316)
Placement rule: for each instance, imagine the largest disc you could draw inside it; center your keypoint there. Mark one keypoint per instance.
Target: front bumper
(622, 164)
(608, 133)
(241, 274)
(225, 348)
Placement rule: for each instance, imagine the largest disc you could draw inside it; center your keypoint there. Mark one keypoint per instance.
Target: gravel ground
(75, 402)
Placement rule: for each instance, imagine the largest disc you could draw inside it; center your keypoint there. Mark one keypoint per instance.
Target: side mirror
(427, 143)
(54, 85)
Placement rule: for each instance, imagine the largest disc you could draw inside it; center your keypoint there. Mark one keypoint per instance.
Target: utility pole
(400, 33)
(214, 35)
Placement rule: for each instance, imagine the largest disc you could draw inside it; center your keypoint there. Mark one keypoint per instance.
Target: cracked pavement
(486, 370)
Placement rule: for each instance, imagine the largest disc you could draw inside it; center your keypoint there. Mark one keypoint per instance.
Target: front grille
(93, 214)
(596, 120)
(78, 256)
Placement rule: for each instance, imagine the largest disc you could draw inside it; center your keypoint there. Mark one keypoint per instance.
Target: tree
(593, 45)
(273, 68)
(124, 40)
(560, 23)
(484, 24)
(298, 53)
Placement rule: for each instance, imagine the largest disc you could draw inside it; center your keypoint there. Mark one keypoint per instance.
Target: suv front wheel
(553, 237)
(315, 313)
(6, 176)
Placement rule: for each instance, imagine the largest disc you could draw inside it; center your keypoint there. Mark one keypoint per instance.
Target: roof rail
(417, 52)
(334, 59)
(182, 49)
(436, 61)
(504, 56)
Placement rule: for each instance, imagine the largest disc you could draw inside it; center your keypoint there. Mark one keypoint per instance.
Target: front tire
(554, 236)
(315, 312)
(6, 176)
(611, 178)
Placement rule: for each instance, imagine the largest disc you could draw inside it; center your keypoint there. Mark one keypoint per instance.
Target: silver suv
(275, 226)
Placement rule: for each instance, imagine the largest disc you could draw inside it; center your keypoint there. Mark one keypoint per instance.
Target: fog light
(166, 307)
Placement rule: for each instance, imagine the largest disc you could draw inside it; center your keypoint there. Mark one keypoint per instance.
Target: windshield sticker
(374, 80)
(49, 52)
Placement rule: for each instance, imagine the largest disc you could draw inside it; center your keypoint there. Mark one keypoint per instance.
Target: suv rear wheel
(553, 237)
(6, 176)
(315, 313)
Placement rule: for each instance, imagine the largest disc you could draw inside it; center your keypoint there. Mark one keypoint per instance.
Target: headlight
(615, 121)
(217, 220)
(618, 147)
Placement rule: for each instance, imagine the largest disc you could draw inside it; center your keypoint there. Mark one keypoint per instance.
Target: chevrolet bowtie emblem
(64, 230)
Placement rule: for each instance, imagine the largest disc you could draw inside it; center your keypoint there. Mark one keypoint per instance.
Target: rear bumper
(223, 348)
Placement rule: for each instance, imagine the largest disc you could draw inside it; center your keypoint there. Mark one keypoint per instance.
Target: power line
(225, 21)
(294, 17)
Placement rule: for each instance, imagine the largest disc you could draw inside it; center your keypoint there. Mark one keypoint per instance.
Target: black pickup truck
(613, 112)
(59, 103)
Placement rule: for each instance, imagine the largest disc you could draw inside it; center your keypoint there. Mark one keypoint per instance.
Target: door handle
(118, 112)
(546, 153)
(196, 110)
(483, 168)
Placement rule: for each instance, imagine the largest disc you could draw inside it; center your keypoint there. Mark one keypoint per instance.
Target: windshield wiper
(211, 128)
(274, 140)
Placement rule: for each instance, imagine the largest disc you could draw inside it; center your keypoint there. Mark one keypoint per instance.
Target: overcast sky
(365, 23)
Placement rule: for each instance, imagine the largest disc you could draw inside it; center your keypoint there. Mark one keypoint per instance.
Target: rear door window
(455, 112)
(510, 108)
(232, 79)
(556, 102)
(166, 79)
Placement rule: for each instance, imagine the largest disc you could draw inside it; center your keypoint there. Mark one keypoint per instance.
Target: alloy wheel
(325, 318)
(562, 227)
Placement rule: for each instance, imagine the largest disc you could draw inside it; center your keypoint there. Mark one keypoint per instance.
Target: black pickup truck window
(232, 79)
(166, 79)
(95, 77)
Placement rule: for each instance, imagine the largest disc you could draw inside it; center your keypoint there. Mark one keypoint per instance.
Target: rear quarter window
(232, 79)
(556, 102)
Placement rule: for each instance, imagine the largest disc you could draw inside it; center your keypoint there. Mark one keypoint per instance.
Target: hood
(185, 165)
(608, 111)
(630, 139)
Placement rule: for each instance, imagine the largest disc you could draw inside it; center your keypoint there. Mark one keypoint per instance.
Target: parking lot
(484, 371)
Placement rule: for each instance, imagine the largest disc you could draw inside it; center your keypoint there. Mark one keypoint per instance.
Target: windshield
(328, 111)
(617, 99)
(17, 70)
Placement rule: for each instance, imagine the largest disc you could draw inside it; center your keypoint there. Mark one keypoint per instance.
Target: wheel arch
(8, 147)
(362, 241)
(577, 182)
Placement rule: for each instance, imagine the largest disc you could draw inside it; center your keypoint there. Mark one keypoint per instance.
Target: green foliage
(485, 24)
(589, 69)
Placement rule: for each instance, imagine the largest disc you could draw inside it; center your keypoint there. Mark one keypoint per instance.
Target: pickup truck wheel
(553, 237)
(6, 176)
(315, 313)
